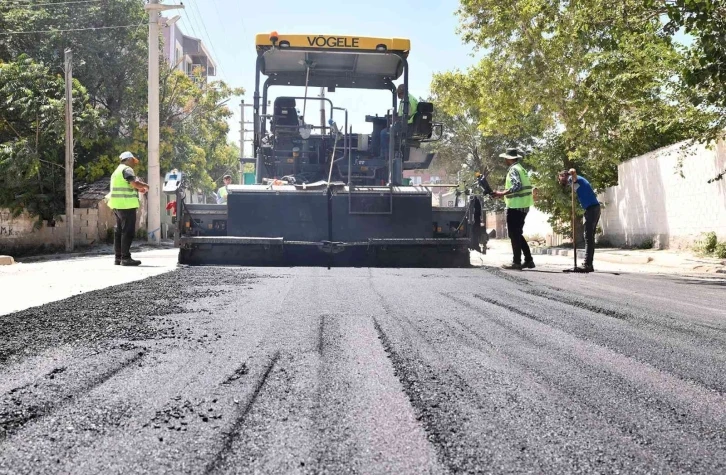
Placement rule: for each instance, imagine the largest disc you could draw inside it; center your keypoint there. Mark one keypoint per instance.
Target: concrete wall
(653, 201)
(535, 224)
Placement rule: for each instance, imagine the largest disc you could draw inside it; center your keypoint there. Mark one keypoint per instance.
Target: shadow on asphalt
(704, 282)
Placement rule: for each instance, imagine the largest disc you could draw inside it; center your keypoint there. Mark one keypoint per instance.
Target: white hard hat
(126, 156)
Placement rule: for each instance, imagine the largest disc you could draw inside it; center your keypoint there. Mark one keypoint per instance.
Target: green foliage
(32, 136)
(647, 243)
(710, 241)
(110, 106)
(588, 84)
(709, 245)
(705, 71)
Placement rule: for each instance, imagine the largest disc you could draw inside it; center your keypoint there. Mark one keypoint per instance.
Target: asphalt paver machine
(325, 196)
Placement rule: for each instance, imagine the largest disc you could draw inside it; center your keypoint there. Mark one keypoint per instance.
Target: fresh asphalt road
(309, 370)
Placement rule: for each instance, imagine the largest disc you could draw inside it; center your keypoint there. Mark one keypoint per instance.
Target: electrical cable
(206, 33)
(29, 5)
(6, 33)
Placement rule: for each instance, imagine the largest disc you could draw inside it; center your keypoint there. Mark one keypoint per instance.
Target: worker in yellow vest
(222, 192)
(124, 201)
(518, 198)
(412, 103)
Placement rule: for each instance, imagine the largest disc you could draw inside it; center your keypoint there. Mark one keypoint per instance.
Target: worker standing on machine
(588, 201)
(518, 198)
(124, 201)
(395, 126)
(412, 105)
(222, 192)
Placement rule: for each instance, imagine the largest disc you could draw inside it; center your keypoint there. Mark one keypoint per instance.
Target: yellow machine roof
(318, 42)
(335, 61)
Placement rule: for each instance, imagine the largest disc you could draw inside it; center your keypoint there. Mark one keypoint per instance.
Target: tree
(32, 136)
(193, 131)
(110, 62)
(594, 82)
(705, 72)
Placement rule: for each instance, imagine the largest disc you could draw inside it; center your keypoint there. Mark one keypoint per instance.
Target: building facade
(187, 54)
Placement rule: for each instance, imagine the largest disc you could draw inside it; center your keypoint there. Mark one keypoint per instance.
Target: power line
(28, 5)
(209, 39)
(70, 29)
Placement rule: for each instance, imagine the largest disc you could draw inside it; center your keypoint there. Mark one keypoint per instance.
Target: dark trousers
(515, 227)
(592, 216)
(124, 232)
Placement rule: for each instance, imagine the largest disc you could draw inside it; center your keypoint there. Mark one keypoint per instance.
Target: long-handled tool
(574, 239)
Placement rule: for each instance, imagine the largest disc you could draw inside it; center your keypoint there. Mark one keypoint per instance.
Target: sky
(228, 29)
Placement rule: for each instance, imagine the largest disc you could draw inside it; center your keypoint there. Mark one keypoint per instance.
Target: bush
(706, 244)
(603, 241)
(709, 245)
(646, 244)
(710, 242)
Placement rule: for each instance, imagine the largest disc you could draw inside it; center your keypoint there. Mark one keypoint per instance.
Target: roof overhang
(335, 61)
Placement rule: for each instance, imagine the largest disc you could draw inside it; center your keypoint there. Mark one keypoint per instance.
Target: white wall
(653, 201)
(536, 224)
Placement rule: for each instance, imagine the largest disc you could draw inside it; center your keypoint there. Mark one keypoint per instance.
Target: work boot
(512, 266)
(117, 261)
(587, 268)
(127, 261)
(528, 265)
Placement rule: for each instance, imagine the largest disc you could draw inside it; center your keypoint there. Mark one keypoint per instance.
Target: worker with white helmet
(124, 201)
(222, 192)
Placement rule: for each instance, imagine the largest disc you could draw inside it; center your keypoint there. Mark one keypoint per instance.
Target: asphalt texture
(405, 371)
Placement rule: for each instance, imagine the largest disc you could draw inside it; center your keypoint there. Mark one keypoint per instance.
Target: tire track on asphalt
(681, 429)
(12, 420)
(459, 419)
(411, 327)
(425, 407)
(646, 346)
(444, 402)
(234, 431)
(579, 303)
(321, 334)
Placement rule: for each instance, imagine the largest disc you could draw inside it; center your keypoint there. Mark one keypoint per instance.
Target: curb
(599, 256)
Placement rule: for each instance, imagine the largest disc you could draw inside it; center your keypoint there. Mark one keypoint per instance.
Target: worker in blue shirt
(588, 201)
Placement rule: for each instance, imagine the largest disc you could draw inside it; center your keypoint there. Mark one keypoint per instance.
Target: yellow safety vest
(222, 192)
(123, 195)
(412, 105)
(522, 198)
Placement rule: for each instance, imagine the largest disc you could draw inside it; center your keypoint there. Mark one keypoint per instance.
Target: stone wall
(91, 224)
(654, 202)
(21, 235)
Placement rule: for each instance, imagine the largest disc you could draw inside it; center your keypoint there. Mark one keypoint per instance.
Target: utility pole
(154, 195)
(70, 244)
